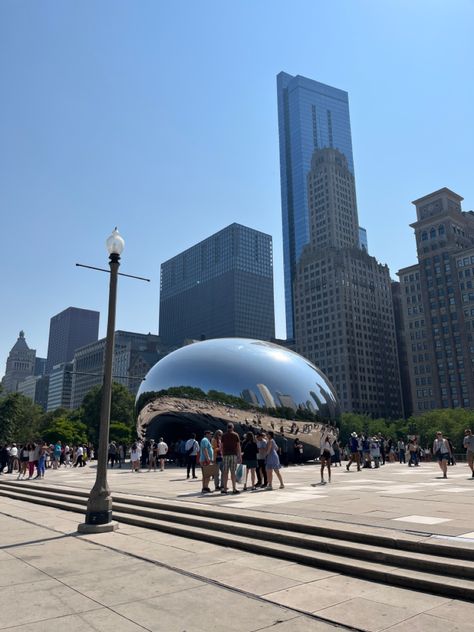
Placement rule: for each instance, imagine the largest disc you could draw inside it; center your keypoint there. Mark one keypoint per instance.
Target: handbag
(240, 473)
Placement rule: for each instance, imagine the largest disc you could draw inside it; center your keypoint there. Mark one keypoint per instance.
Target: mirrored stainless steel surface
(254, 384)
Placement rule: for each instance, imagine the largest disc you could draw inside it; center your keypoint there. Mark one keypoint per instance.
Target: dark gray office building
(69, 330)
(221, 287)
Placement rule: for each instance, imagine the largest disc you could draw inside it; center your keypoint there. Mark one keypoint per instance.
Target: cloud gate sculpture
(254, 384)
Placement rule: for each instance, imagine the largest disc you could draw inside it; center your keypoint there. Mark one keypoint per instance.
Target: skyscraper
(311, 115)
(222, 286)
(69, 330)
(437, 295)
(344, 319)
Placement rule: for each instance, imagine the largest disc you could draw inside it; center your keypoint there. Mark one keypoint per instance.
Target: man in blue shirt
(354, 448)
(206, 458)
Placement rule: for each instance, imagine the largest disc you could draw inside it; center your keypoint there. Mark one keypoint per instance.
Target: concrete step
(379, 572)
(400, 568)
(367, 536)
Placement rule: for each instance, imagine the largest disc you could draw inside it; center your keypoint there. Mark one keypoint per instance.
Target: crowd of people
(226, 458)
(28, 458)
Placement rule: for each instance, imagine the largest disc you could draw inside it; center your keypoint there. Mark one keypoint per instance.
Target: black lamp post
(99, 505)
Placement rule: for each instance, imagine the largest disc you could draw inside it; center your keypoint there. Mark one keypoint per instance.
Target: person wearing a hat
(354, 448)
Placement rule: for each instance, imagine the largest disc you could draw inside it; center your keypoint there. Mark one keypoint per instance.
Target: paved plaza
(143, 579)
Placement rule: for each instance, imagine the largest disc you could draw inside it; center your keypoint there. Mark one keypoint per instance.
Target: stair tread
(316, 555)
(374, 570)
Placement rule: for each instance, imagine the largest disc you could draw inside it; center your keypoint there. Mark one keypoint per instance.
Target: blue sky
(161, 118)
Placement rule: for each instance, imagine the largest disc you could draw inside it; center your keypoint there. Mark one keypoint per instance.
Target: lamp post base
(84, 527)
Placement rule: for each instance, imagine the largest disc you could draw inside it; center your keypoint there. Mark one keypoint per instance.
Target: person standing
(121, 454)
(298, 450)
(152, 455)
(272, 462)
(442, 452)
(468, 444)
(112, 453)
(354, 448)
(57, 454)
(401, 451)
(192, 449)
(162, 452)
(231, 457)
(31, 459)
(13, 462)
(206, 461)
(218, 458)
(262, 480)
(249, 458)
(135, 456)
(325, 458)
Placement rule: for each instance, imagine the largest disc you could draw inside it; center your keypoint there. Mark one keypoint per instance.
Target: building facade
(69, 330)
(36, 388)
(344, 320)
(438, 304)
(20, 364)
(60, 386)
(221, 287)
(311, 116)
(134, 356)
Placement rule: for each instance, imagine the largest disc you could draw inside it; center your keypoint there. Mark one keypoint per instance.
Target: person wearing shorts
(442, 452)
(231, 456)
(468, 443)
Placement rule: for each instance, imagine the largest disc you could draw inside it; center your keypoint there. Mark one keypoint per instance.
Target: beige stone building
(438, 304)
(344, 319)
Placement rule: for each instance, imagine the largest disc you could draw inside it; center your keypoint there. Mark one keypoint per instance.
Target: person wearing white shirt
(442, 451)
(162, 452)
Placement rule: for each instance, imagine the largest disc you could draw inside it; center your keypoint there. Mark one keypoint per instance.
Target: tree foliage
(66, 431)
(121, 411)
(451, 422)
(19, 418)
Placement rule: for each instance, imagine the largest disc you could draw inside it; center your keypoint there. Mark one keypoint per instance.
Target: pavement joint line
(185, 573)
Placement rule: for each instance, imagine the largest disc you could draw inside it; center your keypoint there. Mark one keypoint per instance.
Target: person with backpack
(191, 449)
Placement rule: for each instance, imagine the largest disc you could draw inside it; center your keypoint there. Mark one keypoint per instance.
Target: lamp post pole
(99, 505)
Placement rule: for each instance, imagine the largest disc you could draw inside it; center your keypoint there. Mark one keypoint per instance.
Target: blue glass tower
(311, 115)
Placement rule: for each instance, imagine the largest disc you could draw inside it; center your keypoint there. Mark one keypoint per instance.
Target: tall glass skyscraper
(311, 115)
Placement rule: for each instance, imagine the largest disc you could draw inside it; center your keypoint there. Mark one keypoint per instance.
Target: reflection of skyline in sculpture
(209, 383)
(266, 395)
(286, 401)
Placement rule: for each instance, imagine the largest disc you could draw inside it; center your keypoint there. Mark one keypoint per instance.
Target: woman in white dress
(135, 456)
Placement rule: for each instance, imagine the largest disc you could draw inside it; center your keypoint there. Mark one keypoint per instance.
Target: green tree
(121, 433)
(19, 418)
(122, 409)
(66, 431)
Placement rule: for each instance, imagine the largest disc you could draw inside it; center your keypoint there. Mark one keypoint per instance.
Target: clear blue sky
(161, 118)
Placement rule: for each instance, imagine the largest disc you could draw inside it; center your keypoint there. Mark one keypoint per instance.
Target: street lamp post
(99, 505)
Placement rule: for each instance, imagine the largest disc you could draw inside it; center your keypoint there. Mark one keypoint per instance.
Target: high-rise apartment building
(438, 304)
(69, 330)
(134, 355)
(343, 313)
(20, 364)
(222, 286)
(311, 115)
